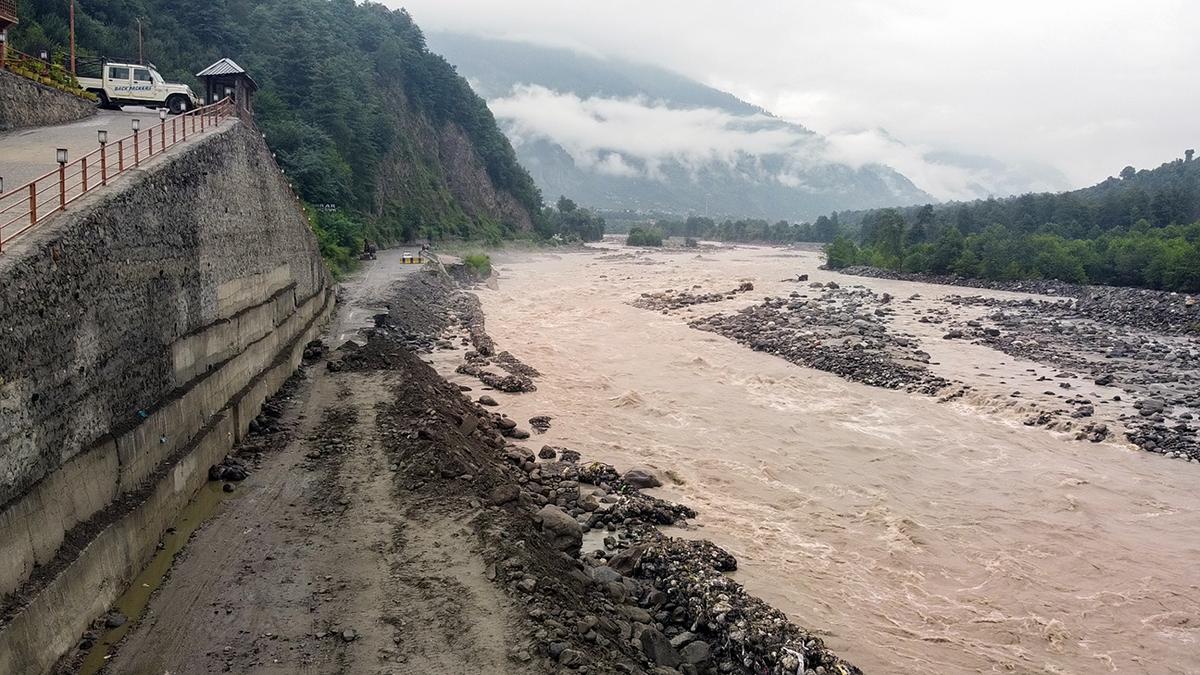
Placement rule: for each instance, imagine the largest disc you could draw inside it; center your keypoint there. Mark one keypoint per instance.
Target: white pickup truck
(136, 84)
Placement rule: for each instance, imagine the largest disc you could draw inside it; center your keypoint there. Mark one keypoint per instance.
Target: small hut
(227, 78)
(8, 17)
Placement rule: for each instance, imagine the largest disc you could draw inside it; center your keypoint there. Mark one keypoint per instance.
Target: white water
(917, 535)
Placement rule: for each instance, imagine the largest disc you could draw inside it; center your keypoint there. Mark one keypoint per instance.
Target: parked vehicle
(138, 84)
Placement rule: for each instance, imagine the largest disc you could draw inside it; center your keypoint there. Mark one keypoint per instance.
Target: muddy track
(322, 564)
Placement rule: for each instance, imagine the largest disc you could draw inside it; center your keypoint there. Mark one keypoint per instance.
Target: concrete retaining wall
(25, 103)
(140, 334)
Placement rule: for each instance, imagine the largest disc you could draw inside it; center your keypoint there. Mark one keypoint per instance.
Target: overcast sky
(1086, 86)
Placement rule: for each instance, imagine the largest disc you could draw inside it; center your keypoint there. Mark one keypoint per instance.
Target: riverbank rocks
(228, 470)
(540, 423)
(671, 299)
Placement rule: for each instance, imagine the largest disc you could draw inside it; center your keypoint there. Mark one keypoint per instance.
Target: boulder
(641, 478)
(696, 653)
(505, 493)
(604, 574)
(565, 532)
(626, 562)
(488, 401)
(658, 649)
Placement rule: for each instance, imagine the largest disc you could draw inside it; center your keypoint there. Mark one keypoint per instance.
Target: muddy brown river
(917, 536)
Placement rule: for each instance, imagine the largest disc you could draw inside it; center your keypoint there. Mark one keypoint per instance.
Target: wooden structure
(226, 78)
(8, 17)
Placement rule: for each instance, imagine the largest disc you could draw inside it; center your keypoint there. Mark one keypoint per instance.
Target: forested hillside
(359, 112)
(1139, 229)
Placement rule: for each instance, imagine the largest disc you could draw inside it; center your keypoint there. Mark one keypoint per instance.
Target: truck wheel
(106, 104)
(178, 104)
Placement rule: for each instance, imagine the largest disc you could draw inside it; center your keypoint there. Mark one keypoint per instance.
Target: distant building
(226, 79)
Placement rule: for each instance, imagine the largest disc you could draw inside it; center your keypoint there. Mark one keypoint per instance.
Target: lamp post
(136, 124)
(162, 127)
(102, 136)
(61, 156)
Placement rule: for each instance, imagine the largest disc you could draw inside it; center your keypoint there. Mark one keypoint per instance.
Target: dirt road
(322, 563)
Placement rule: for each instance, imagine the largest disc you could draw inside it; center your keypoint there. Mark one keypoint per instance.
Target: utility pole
(73, 37)
(141, 56)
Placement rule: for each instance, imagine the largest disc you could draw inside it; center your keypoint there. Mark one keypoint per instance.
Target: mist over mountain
(620, 135)
(623, 135)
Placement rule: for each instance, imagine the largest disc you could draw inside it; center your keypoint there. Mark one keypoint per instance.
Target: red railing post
(174, 130)
(150, 141)
(104, 164)
(137, 156)
(121, 156)
(83, 165)
(33, 203)
(163, 134)
(62, 186)
(203, 114)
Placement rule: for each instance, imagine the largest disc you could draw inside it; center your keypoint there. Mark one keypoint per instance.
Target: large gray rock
(565, 532)
(696, 653)
(658, 648)
(641, 478)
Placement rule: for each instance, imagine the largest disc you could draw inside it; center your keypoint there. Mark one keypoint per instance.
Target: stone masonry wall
(25, 103)
(101, 313)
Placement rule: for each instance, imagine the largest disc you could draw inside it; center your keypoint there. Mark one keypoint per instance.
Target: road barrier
(412, 260)
(31, 204)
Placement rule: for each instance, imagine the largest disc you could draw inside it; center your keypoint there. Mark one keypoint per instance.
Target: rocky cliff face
(435, 174)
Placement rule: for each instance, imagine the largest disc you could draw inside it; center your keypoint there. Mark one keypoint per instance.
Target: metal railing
(31, 204)
(10, 57)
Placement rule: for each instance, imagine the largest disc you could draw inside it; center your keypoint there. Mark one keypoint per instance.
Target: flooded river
(917, 536)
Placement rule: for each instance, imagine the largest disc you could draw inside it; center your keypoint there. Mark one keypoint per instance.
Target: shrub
(480, 263)
(644, 237)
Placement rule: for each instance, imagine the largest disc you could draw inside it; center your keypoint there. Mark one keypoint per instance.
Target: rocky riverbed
(1174, 313)
(1158, 373)
(839, 330)
(1134, 342)
(637, 600)
(1141, 343)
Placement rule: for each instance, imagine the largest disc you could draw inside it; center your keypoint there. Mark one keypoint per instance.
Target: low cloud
(632, 137)
(943, 175)
(635, 137)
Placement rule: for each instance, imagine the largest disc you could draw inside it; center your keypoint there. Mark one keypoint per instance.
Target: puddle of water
(136, 598)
